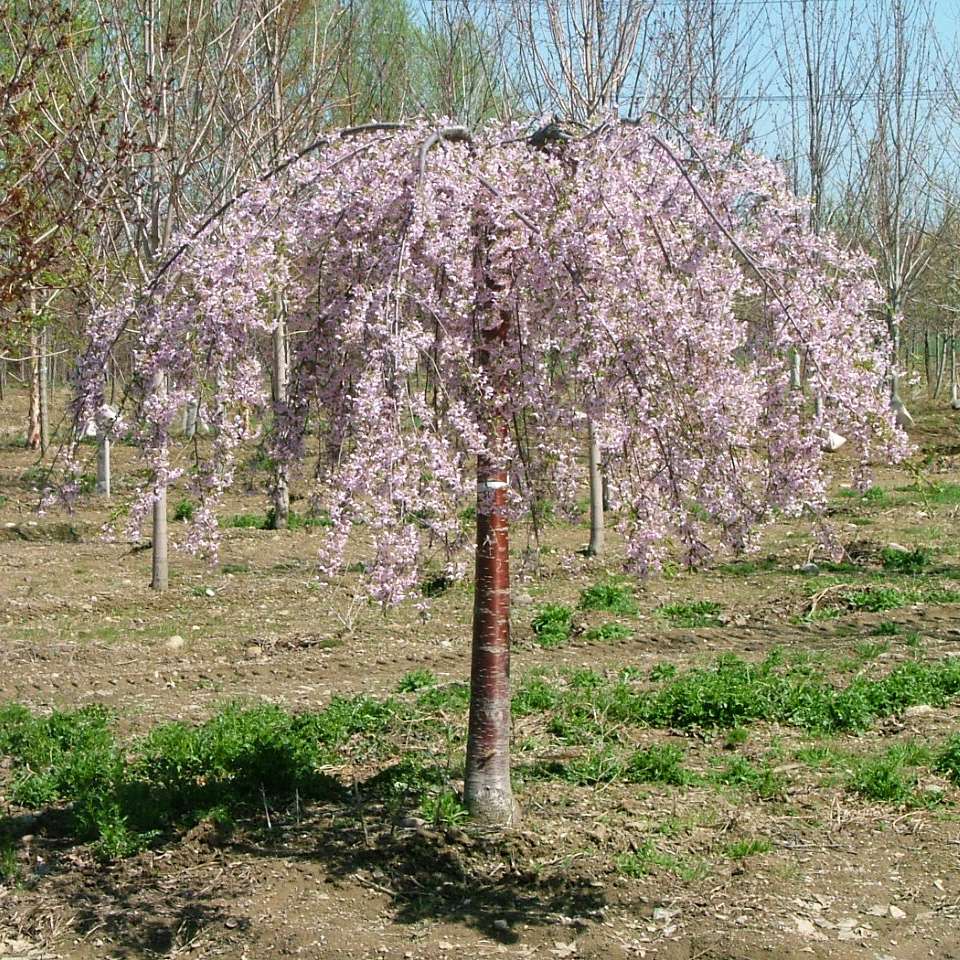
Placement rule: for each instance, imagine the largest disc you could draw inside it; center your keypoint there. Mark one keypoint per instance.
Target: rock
(811, 569)
(833, 442)
(412, 823)
(897, 913)
(210, 592)
(176, 642)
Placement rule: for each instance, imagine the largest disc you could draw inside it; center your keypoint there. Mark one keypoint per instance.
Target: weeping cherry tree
(446, 286)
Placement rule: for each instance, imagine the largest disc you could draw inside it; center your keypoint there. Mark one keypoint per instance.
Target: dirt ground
(842, 878)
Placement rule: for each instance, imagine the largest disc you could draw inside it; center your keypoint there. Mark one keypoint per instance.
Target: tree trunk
(796, 369)
(161, 570)
(33, 425)
(941, 362)
(596, 497)
(43, 388)
(103, 464)
(487, 792)
(954, 397)
(281, 378)
(190, 418)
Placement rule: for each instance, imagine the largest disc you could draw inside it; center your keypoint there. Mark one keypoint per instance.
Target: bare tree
(572, 57)
(705, 60)
(899, 156)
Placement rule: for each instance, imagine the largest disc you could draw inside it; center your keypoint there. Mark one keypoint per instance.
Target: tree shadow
(467, 876)
(157, 902)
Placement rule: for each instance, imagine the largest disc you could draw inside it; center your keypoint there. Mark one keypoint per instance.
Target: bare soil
(842, 878)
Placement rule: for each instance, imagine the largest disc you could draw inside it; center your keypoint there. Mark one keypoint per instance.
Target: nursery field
(759, 759)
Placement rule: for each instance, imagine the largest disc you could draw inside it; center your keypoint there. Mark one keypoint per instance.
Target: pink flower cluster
(655, 286)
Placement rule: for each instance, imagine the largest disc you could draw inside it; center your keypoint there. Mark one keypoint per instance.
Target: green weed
(648, 859)
(608, 632)
(904, 561)
(183, 511)
(692, 613)
(611, 596)
(659, 763)
(416, 680)
(9, 868)
(552, 625)
(945, 494)
(454, 697)
(443, 808)
(947, 760)
(746, 568)
(866, 650)
(762, 781)
(883, 778)
(751, 847)
(534, 695)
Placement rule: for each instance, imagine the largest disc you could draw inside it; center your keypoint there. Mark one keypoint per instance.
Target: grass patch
(659, 763)
(732, 692)
(267, 521)
(552, 625)
(183, 511)
(125, 797)
(692, 613)
(746, 568)
(607, 632)
(610, 596)
(876, 496)
(761, 781)
(750, 847)
(891, 776)
(947, 761)
(837, 599)
(452, 697)
(647, 859)
(416, 680)
(944, 494)
(443, 808)
(904, 561)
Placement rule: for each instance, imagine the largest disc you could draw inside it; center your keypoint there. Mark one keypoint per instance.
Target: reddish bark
(487, 790)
